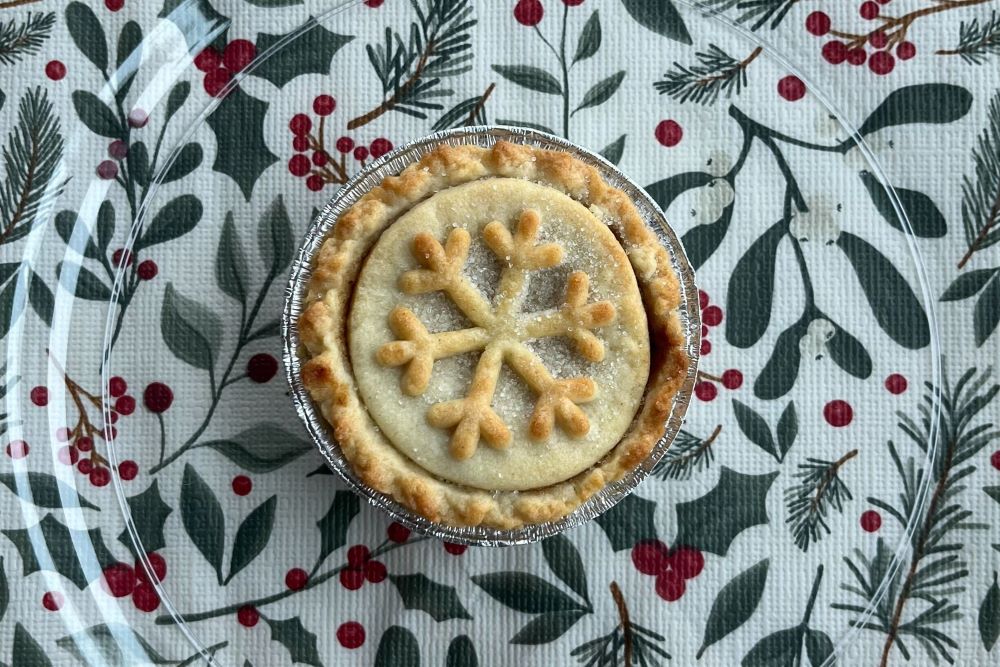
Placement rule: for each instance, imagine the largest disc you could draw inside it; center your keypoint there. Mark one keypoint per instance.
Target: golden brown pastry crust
(327, 372)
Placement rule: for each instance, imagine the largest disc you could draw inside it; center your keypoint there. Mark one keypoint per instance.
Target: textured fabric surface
(834, 494)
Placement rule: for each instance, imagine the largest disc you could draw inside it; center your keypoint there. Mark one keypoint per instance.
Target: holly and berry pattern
(834, 495)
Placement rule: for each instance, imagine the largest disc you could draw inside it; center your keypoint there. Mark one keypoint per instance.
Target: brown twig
(992, 220)
(616, 594)
(831, 473)
(84, 427)
(742, 65)
(389, 104)
(16, 3)
(702, 375)
(480, 104)
(896, 27)
(22, 202)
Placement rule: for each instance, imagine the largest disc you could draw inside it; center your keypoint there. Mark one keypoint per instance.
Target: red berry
(208, 60)
(374, 4)
(100, 476)
(375, 571)
(398, 532)
(324, 105)
(791, 88)
(107, 170)
(125, 405)
(857, 56)
(85, 466)
(84, 444)
(838, 413)
(247, 616)
(299, 165)
(703, 299)
(117, 386)
(351, 634)
(216, 80)
(242, 485)
(895, 384)
(17, 449)
(669, 133)
(40, 396)
(380, 147)
(871, 521)
(300, 124)
(688, 562)
(995, 459)
(114, 5)
(68, 455)
(650, 556)
(300, 142)
(706, 391)
(147, 270)
(670, 585)
(53, 600)
(145, 598)
(138, 118)
(352, 578)
(881, 62)
(906, 50)
(114, 417)
(732, 379)
(128, 469)
(869, 10)
(315, 183)
(110, 432)
(706, 347)
(704, 331)
(118, 149)
(878, 39)
(238, 54)
(528, 12)
(455, 549)
(360, 153)
(158, 565)
(345, 144)
(157, 397)
(884, 2)
(572, 3)
(121, 257)
(55, 70)
(119, 579)
(712, 316)
(262, 367)
(296, 579)
(320, 158)
(835, 52)
(818, 23)
(63, 434)
(358, 555)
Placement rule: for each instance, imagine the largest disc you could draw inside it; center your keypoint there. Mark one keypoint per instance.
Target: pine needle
(688, 454)
(809, 502)
(755, 12)
(21, 39)
(977, 40)
(981, 191)
(715, 73)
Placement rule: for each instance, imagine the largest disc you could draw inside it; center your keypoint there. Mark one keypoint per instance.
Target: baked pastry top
(493, 335)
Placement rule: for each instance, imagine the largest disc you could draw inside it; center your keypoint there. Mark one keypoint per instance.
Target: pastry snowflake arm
(576, 319)
(443, 272)
(556, 399)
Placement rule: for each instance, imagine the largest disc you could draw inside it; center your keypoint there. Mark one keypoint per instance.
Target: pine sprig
(715, 73)
(809, 502)
(688, 454)
(32, 158)
(977, 40)
(411, 68)
(19, 40)
(609, 650)
(918, 601)
(467, 112)
(981, 192)
(754, 12)
(5, 384)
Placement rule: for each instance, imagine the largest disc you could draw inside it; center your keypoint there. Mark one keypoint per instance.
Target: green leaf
(262, 448)
(993, 492)
(548, 627)
(96, 115)
(230, 262)
(524, 592)
(738, 502)
(149, 514)
(75, 235)
(590, 38)
(925, 218)
(4, 591)
(197, 20)
(660, 16)
(751, 289)
(252, 536)
(788, 429)
(629, 522)
(129, 42)
(701, 242)
(779, 373)
(438, 600)
(138, 163)
(666, 191)
(779, 649)
(65, 547)
(334, 524)
(88, 35)
(755, 428)
(187, 160)
(203, 519)
(301, 643)
(11, 306)
(894, 304)
(613, 152)
(735, 604)
(178, 217)
(191, 331)
(601, 91)
(27, 652)
(564, 560)
(115, 646)
(848, 353)
(397, 648)
(82, 282)
(989, 616)
(178, 96)
(927, 103)
(275, 3)
(462, 653)
(309, 52)
(524, 123)
(987, 312)
(105, 225)
(274, 236)
(44, 490)
(530, 77)
(41, 298)
(241, 151)
(968, 284)
(819, 647)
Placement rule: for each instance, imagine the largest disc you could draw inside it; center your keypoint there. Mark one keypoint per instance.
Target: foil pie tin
(295, 301)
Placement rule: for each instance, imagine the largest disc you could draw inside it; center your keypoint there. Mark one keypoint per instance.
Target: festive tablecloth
(834, 494)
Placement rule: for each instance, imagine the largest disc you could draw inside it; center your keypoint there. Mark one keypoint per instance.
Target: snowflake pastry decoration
(500, 331)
